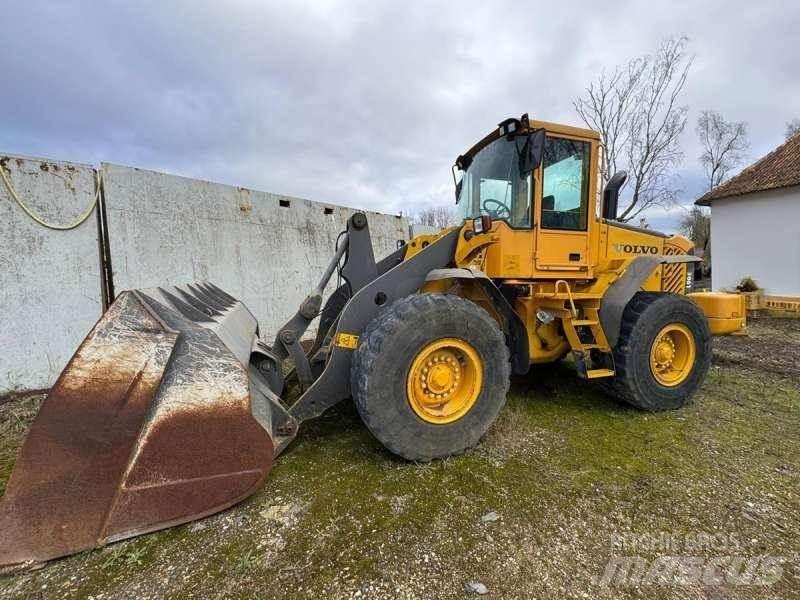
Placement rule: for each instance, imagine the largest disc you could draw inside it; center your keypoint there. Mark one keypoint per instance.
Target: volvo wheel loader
(174, 408)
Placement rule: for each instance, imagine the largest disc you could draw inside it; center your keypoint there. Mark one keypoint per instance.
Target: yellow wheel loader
(174, 408)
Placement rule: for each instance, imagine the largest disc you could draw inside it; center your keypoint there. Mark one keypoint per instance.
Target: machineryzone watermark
(694, 558)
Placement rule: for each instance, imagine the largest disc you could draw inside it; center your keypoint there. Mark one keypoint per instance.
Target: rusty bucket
(151, 424)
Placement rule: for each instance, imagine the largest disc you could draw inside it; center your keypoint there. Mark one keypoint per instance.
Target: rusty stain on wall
(244, 200)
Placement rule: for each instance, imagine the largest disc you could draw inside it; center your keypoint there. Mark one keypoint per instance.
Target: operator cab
(531, 175)
(492, 180)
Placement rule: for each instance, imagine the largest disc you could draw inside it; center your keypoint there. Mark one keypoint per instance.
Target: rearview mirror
(530, 155)
(458, 177)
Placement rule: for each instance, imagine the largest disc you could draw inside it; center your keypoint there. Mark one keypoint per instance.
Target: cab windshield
(492, 185)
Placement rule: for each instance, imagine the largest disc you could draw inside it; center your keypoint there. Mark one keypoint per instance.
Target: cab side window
(565, 184)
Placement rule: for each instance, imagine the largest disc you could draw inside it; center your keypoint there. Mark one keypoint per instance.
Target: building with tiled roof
(755, 223)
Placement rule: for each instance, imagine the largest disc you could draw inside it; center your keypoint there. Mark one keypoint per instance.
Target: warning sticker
(347, 340)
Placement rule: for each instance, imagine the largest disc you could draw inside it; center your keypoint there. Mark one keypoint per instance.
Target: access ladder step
(597, 373)
(584, 322)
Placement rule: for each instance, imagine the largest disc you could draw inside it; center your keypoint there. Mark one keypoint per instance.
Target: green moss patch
(568, 471)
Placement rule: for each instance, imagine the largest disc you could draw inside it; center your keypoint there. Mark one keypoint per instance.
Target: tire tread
(380, 332)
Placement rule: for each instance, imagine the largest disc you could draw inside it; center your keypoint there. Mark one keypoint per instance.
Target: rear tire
(386, 367)
(675, 322)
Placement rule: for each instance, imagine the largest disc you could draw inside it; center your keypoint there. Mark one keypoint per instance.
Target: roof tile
(780, 168)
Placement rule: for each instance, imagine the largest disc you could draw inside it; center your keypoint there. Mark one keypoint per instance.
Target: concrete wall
(162, 229)
(757, 235)
(165, 229)
(49, 280)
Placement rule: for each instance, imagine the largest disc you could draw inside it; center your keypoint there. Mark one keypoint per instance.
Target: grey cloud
(363, 103)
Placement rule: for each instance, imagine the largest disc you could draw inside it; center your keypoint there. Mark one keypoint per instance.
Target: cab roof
(566, 129)
(556, 128)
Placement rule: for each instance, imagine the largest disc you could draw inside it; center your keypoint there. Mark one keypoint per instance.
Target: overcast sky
(362, 103)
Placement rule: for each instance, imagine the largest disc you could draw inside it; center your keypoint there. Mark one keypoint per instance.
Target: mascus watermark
(629, 571)
(688, 543)
(692, 558)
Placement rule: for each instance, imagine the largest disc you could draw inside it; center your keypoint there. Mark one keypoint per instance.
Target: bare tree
(608, 107)
(724, 144)
(696, 225)
(436, 216)
(792, 127)
(636, 110)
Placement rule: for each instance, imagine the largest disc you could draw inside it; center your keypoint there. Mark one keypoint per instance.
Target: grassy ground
(574, 478)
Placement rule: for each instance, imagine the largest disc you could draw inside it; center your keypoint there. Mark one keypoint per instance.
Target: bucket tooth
(219, 292)
(199, 304)
(206, 298)
(186, 309)
(210, 292)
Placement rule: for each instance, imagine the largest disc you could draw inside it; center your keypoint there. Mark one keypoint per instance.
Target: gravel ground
(567, 485)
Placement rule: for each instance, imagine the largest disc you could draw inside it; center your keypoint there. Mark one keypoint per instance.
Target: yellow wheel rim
(444, 381)
(672, 354)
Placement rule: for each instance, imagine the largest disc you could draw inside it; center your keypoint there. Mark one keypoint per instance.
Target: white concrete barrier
(49, 280)
(266, 250)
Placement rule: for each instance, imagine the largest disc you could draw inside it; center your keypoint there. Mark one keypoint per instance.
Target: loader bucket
(151, 424)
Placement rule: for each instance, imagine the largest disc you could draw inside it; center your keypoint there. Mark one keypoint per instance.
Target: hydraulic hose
(85, 215)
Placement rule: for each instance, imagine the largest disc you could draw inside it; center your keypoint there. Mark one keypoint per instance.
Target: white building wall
(757, 235)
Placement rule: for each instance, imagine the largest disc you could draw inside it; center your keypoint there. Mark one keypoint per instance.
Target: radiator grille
(673, 277)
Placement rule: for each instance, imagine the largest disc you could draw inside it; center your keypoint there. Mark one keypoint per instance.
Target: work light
(482, 224)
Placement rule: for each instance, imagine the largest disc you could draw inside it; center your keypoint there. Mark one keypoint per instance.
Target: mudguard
(516, 333)
(616, 298)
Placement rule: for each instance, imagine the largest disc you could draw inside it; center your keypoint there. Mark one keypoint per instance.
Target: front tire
(430, 375)
(663, 352)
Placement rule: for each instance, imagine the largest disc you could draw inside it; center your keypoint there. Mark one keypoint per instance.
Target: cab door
(562, 205)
